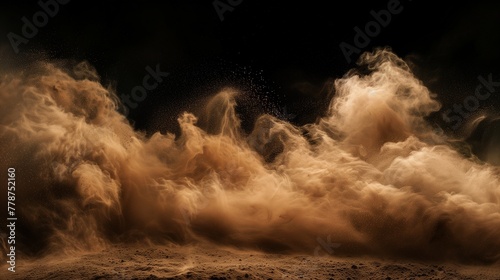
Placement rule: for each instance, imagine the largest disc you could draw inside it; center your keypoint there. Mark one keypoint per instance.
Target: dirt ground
(210, 262)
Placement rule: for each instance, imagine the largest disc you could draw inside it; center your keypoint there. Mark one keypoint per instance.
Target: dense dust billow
(373, 176)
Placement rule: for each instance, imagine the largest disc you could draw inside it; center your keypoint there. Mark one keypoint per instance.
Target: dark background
(280, 54)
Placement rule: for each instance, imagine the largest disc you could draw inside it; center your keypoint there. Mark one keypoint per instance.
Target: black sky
(280, 53)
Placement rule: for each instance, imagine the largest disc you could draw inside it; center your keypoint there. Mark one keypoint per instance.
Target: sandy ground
(209, 262)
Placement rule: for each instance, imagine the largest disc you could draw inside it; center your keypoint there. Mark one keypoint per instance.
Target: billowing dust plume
(372, 177)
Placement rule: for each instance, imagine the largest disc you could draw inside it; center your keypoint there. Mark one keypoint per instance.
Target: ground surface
(208, 262)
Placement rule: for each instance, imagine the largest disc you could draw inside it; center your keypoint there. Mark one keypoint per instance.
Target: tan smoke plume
(372, 176)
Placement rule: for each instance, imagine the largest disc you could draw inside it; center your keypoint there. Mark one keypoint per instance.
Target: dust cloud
(373, 176)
